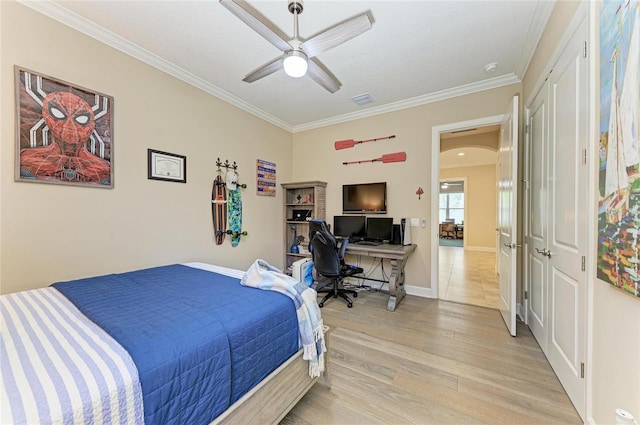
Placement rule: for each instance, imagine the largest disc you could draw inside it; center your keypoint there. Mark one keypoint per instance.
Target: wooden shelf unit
(309, 195)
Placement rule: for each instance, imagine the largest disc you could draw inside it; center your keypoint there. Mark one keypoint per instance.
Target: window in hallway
(452, 202)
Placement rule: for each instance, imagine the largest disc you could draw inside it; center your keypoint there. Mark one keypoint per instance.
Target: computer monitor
(379, 228)
(349, 226)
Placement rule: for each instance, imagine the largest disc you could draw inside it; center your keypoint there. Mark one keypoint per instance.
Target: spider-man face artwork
(63, 138)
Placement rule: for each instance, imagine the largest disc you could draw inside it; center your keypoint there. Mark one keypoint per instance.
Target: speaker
(395, 235)
(405, 232)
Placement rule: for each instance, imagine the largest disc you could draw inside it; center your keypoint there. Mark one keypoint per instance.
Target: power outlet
(415, 222)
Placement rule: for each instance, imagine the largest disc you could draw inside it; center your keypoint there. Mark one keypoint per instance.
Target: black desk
(398, 254)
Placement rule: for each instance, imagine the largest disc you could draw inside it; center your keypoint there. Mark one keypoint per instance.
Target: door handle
(544, 252)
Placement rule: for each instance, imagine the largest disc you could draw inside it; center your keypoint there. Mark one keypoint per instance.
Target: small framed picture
(166, 166)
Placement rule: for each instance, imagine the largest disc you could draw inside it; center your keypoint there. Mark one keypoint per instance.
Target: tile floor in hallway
(468, 277)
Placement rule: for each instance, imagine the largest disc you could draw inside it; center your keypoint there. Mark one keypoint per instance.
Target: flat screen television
(369, 198)
(349, 226)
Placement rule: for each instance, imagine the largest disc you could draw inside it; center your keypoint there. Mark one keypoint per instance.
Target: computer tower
(395, 235)
(405, 231)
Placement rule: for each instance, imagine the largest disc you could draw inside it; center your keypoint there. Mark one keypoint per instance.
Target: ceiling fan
(299, 56)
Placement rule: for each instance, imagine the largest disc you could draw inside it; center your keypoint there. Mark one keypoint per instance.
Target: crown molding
(466, 89)
(70, 19)
(534, 33)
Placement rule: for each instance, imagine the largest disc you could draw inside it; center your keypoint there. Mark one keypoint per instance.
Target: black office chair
(315, 226)
(328, 260)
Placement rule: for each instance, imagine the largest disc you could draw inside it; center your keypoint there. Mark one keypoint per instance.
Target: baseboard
(480, 248)
(418, 291)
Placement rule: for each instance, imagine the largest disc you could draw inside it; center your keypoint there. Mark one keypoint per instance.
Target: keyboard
(369, 243)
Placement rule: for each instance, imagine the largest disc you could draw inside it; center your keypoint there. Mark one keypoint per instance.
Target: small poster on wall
(64, 133)
(266, 178)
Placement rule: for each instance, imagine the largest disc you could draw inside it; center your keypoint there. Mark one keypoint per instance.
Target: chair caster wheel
(349, 305)
(321, 305)
(355, 295)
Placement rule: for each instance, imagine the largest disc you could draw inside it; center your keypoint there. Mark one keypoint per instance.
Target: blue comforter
(199, 339)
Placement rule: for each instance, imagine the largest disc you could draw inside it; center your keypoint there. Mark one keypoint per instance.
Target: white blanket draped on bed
(58, 364)
(264, 276)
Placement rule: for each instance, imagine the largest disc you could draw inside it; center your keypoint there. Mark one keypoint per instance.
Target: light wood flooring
(468, 277)
(430, 362)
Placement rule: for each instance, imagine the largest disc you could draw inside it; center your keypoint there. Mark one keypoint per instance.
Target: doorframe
(436, 131)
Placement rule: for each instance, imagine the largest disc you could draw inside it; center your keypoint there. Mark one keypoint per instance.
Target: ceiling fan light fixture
(295, 63)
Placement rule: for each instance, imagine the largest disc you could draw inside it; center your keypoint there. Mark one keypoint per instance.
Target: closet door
(537, 236)
(568, 125)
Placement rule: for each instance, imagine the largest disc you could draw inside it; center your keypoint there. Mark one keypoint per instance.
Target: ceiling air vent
(362, 99)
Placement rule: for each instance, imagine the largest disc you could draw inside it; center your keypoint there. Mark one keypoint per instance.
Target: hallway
(468, 277)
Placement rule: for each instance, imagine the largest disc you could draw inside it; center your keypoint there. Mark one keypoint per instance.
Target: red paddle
(344, 144)
(390, 157)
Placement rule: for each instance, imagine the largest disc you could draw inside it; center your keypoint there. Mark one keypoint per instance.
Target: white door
(507, 214)
(536, 241)
(568, 116)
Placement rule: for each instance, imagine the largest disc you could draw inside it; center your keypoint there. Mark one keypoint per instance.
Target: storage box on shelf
(303, 201)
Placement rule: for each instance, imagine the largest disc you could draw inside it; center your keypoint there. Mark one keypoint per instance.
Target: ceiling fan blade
(257, 22)
(336, 35)
(322, 76)
(263, 71)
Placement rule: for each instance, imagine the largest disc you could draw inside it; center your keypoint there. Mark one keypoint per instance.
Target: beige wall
(614, 317)
(616, 328)
(563, 12)
(480, 204)
(483, 140)
(52, 232)
(314, 157)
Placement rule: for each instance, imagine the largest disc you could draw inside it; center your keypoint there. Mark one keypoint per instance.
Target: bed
(193, 346)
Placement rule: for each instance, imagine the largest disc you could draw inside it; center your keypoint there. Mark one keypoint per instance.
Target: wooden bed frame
(271, 400)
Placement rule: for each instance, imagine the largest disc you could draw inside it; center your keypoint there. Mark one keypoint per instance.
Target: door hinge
(584, 263)
(526, 295)
(584, 156)
(584, 51)
(582, 370)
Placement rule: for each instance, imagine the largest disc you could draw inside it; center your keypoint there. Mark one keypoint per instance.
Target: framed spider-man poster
(63, 132)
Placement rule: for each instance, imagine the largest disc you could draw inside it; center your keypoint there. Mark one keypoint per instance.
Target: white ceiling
(415, 53)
